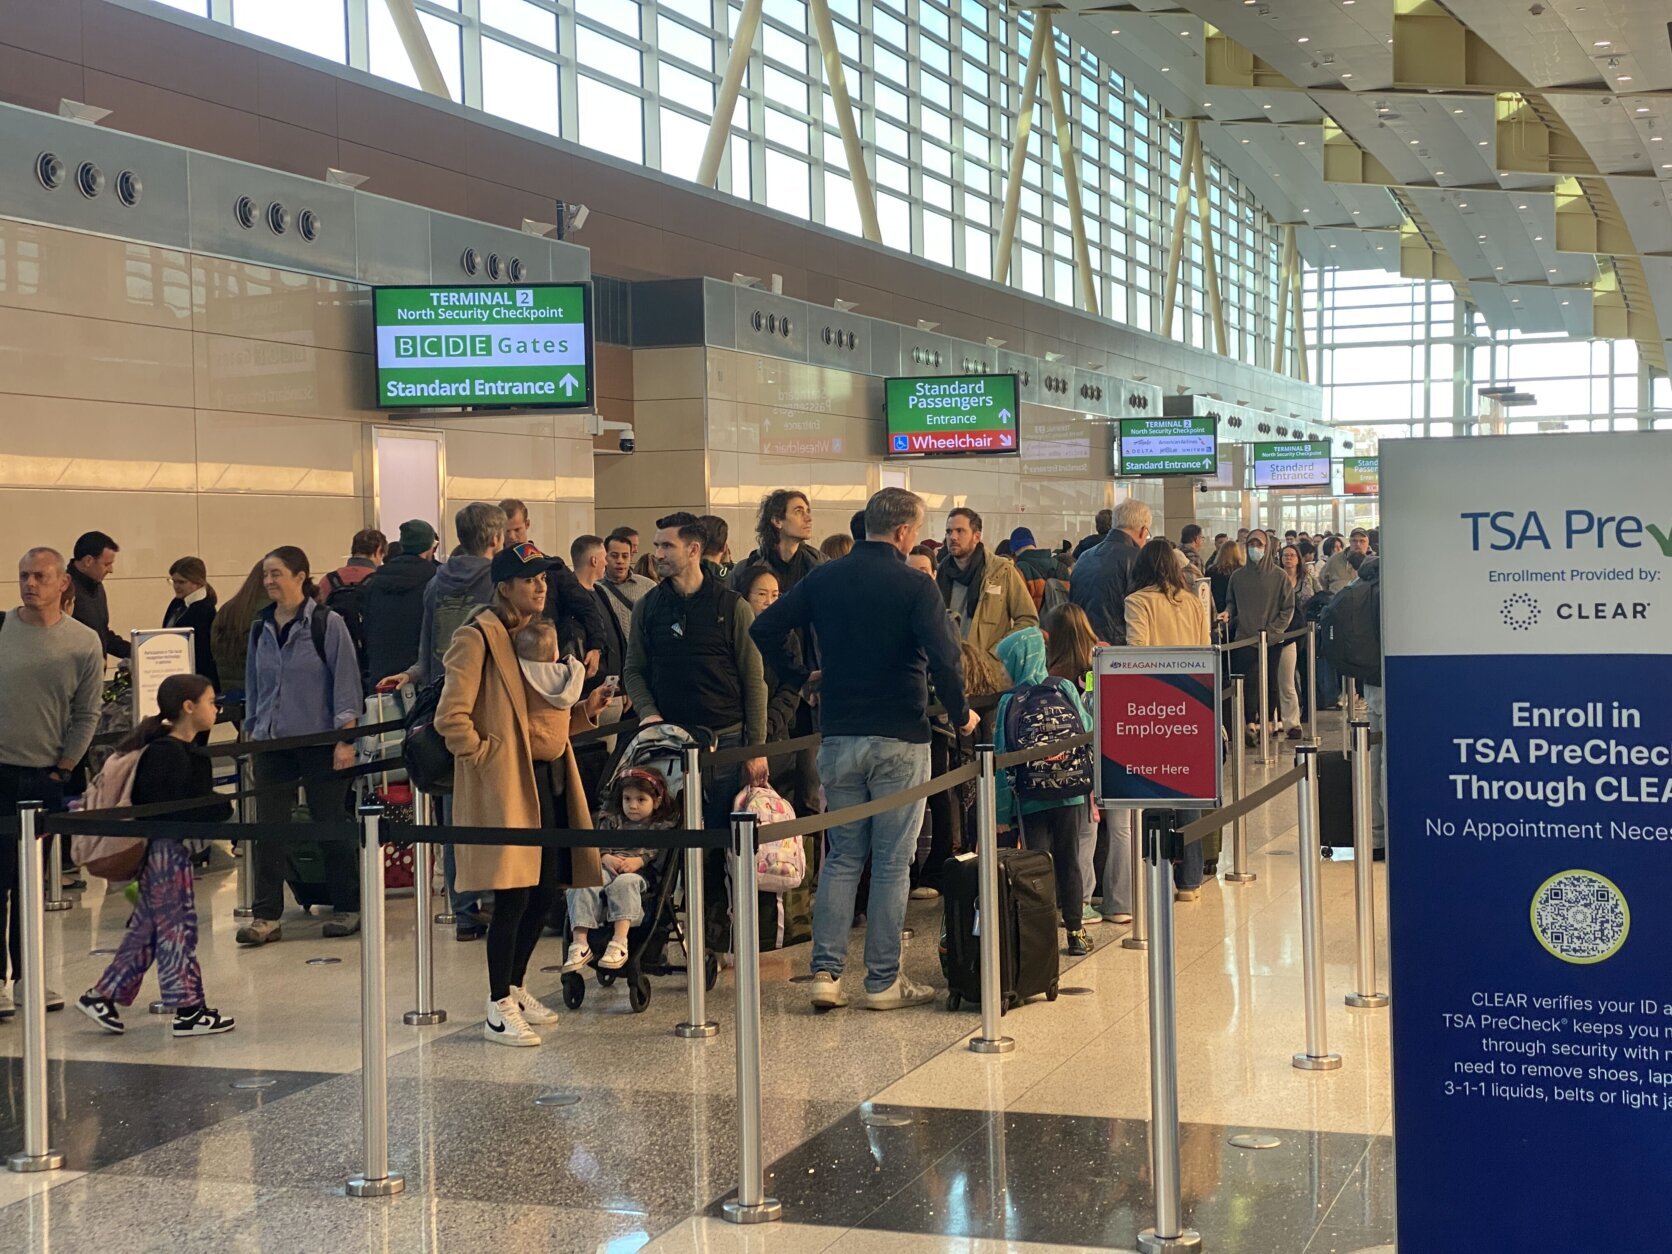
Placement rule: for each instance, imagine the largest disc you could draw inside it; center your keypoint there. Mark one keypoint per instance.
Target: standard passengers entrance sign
(1527, 630)
(503, 347)
(958, 414)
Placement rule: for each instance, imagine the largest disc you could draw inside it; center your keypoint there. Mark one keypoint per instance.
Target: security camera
(628, 443)
(597, 425)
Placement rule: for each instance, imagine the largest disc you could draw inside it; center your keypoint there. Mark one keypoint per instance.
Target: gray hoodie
(1260, 597)
(462, 585)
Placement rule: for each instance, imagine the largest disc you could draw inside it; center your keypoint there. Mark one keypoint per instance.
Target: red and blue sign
(1158, 734)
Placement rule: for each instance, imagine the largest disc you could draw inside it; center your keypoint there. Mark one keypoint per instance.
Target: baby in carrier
(638, 801)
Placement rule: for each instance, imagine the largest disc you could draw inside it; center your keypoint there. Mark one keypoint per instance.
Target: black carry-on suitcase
(1028, 957)
(1335, 800)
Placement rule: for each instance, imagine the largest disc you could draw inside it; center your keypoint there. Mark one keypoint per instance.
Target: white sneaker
(580, 953)
(505, 1024)
(532, 1008)
(8, 1007)
(615, 956)
(924, 893)
(827, 992)
(899, 994)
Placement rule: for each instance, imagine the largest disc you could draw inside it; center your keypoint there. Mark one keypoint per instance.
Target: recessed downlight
(89, 179)
(129, 188)
(50, 171)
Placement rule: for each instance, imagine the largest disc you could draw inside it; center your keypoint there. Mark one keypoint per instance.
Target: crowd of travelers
(878, 639)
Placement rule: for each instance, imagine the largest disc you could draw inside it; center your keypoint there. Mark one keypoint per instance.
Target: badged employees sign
(484, 347)
(1157, 726)
(959, 414)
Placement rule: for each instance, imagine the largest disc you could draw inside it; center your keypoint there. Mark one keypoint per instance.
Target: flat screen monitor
(1295, 464)
(505, 346)
(1159, 447)
(1361, 476)
(952, 415)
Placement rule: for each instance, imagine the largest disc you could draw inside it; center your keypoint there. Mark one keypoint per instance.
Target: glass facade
(935, 83)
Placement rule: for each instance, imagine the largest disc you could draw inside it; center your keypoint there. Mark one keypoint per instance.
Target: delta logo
(1507, 530)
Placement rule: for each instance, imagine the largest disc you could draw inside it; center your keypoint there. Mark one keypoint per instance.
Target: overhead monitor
(506, 346)
(1295, 464)
(952, 415)
(1159, 447)
(1361, 476)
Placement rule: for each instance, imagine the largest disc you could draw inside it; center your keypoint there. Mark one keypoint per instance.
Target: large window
(936, 85)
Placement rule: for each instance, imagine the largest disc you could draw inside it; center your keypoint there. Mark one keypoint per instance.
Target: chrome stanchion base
(696, 1031)
(1323, 1062)
(1239, 877)
(1149, 1243)
(157, 1008)
(423, 1018)
(387, 1186)
(1000, 1045)
(765, 1212)
(243, 912)
(52, 1160)
(1367, 1001)
(1134, 942)
(53, 907)
(445, 920)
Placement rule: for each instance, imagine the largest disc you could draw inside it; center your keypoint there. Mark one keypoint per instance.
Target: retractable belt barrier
(1247, 642)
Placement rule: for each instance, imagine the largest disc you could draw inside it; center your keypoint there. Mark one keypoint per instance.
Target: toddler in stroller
(638, 800)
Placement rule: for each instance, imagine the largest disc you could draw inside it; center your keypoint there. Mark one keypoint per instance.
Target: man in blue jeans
(883, 634)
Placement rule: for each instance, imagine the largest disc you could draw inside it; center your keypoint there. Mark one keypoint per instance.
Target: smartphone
(612, 684)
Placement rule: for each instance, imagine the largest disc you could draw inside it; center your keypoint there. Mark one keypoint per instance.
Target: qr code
(1580, 916)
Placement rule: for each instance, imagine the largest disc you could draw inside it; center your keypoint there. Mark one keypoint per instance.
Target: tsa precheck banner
(1527, 633)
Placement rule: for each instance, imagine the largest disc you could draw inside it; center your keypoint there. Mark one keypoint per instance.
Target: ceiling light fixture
(1346, 76)
(1166, 69)
(1642, 108)
(1301, 142)
(1415, 142)
(1480, 143)
(1538, 239)
(1603, 43)
(1304, 39)
(1625, 78)
(1521, 207)
(1457, 111)
(1480, 237)
(1497, 267)
(1265, 106)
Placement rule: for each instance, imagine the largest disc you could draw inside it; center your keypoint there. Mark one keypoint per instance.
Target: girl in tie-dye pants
(163, 930)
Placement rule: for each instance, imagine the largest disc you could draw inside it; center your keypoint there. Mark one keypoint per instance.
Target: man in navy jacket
(882, 634)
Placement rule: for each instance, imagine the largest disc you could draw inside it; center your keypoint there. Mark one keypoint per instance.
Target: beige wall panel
(64, 272)
(139, 603)
(239, 528)
(661, 374)
(55, 442)
(784, 432)
(653, 481)
(94, 359)
(482, 466)
(269, 377)
(153, 528)
(572, 463)
(257, 302)
(757, 475)
(278, 453)
(669, 425)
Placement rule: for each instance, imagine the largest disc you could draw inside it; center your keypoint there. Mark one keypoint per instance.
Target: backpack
(780, 865)
(1347, 632)
(1037, 715)
(117, 858)
(318, 621)
(1055, 596)
(349, 601)
(451, 612)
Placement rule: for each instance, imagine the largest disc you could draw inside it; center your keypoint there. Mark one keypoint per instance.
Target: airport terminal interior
(277, 274)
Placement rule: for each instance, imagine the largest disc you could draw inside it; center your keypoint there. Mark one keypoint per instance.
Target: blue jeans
(857, 769)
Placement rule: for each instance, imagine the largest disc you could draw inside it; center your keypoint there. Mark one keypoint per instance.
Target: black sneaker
(201, 1021)
(1079, 943)
(102, 1011)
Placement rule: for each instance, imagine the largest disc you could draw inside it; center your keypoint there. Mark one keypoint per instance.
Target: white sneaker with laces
(580, 953)
(505, 1024)
(532, 1008)
(899, 994)
(615, 956)
(827, 992)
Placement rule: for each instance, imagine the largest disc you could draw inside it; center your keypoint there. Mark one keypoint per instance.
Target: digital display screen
(507, 346)
(1298, 464)
(1169, 446)
(1361, 476)
(956, 414)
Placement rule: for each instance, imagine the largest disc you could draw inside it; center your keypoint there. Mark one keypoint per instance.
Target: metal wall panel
(719, 303)
(279, 208)
(775, 326)
(394, 240)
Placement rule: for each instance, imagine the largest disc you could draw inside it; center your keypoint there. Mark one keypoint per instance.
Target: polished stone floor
(884, 1133)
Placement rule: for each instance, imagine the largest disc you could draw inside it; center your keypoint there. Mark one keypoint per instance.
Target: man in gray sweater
(52, 672)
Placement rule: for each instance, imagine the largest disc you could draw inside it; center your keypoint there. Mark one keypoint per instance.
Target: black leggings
(1057, 832)
(519, 915)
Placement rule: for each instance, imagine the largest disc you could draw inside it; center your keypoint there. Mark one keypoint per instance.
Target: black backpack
(349, 601)
(1039, 714)
(429, 763)
(1347, 632)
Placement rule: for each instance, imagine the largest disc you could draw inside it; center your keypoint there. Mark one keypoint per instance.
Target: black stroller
(660, 747)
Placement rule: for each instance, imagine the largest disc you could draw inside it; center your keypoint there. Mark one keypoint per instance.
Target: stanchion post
(37, 1154)
(1265, 699)
(751, 1205)
(1239, 872)
(991, 1040)
(245, 909)
(1317, 1056)
(1364, 882)
(1349, 711)
(1138, 937)
(376, 1180)
(1169, 1233)
(697, 1026)
(425, 1012)
(1312, 682)
(54, 877)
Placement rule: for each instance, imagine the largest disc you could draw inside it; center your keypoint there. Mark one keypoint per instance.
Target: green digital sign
(938, 417)
(1169, 446)
(508, 346)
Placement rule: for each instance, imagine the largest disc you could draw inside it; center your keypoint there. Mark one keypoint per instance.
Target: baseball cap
(417, 536)
(520, 561)
(1020, 539)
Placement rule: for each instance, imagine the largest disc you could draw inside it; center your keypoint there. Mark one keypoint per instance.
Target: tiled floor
(1042, 1150)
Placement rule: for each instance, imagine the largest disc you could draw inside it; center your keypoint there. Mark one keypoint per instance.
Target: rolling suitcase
(1335, 800)
(1028, 956)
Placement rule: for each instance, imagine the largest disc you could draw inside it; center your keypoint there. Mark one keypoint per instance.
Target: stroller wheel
(605, 978)
(574, 990)
(710, 971)
(638, 994)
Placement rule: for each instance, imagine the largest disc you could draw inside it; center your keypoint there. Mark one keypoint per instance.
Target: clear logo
(1520, 612)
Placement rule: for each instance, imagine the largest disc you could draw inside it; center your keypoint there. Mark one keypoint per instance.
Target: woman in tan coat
(1162, 611)
(513, 768)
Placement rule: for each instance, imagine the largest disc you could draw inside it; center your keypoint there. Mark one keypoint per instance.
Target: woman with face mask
(1259, 598)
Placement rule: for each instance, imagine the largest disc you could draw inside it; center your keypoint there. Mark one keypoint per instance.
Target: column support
(836, 80)
(1019, 151)
(1063, 125)
(725, 103)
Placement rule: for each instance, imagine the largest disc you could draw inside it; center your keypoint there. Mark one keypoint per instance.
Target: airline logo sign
(961, 414)
(483, 346)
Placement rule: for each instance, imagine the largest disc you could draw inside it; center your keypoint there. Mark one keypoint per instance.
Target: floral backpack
(780, 865)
